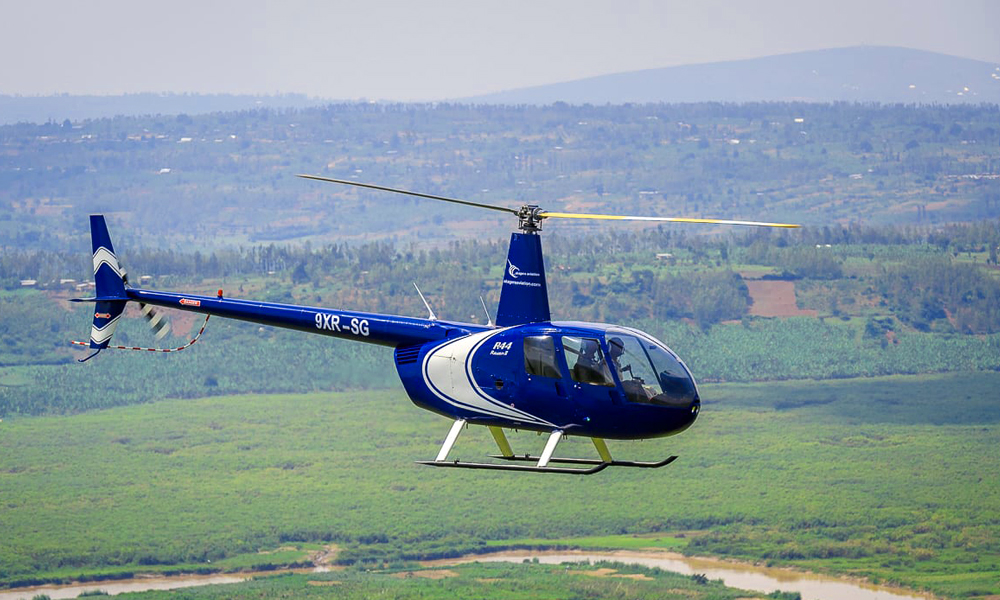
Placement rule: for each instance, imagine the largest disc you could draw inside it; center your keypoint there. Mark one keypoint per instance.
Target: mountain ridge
(891, 75)
(884, 74)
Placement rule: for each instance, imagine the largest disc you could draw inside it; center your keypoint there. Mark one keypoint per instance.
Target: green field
(892, 479)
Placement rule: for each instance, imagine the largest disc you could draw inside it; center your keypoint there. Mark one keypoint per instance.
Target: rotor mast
(529, 219)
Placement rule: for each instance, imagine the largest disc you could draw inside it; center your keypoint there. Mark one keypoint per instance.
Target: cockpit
(648, 372)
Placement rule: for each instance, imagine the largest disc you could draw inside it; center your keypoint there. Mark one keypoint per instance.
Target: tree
(299, 275)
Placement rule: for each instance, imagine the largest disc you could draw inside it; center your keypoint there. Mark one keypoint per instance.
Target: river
(738, 575)
(812, 586)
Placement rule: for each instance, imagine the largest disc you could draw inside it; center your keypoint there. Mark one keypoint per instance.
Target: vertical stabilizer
(109, 279)
(524, 297)
(108, 274)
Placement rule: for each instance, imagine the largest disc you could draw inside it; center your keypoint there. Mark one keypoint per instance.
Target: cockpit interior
(646, 371)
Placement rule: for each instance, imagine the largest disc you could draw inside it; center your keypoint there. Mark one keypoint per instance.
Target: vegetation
(883, 478)
(225, 179)
(887, 301)
(508, 581)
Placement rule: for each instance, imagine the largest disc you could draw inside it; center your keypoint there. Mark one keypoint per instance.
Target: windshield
(649, 372)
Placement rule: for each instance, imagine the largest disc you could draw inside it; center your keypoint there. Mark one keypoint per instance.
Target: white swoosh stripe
(441, 373)
(494, 401)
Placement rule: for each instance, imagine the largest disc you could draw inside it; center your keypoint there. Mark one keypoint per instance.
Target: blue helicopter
(521, 371)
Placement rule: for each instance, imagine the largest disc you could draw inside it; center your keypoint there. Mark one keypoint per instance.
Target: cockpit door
(544, 371)
(592, 385)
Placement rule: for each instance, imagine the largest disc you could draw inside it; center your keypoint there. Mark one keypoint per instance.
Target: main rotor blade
(409, 193)
(546, 214)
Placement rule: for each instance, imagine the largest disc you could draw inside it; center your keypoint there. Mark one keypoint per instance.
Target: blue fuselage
(487, 378)
(539, 376)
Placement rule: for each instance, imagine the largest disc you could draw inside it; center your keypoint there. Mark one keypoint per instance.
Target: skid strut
(588, 466)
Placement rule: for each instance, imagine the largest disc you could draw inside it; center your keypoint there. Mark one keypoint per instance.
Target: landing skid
(599, 466)
(591, 461)
(589, 465)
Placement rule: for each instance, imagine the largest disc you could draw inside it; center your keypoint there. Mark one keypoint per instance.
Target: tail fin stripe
(100, 335)
(103, 256)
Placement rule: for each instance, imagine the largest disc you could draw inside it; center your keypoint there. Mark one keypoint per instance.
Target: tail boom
(385, 330)
(113, 293)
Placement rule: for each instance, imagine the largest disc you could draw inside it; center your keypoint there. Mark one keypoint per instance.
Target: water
(744, 576)
(142, 584)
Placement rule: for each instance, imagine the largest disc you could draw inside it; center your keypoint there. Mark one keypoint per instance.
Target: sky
(420, 50)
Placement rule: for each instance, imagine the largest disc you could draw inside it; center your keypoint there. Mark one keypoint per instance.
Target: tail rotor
(156, 321)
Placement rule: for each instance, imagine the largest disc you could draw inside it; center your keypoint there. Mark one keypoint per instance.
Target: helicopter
(520, 371)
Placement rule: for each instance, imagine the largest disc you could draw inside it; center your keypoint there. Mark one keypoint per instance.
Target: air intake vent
(407, 355)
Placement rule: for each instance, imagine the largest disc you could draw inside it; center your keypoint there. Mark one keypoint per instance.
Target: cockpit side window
(540, 356)
(587, 360)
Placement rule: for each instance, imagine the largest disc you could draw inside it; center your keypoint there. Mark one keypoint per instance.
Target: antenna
(430, 312)
(489, 321)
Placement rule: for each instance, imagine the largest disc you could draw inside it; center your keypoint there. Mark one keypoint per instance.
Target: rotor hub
(530, 218)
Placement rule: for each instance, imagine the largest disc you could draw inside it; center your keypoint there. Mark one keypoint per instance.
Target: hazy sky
(437, 49)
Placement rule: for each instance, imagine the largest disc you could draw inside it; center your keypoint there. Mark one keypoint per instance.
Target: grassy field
(893, 479)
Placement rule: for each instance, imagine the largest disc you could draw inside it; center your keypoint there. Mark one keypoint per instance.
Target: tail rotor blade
(157, 322)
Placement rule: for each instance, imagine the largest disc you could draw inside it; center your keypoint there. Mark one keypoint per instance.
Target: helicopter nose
(690, 411)
(680, 416)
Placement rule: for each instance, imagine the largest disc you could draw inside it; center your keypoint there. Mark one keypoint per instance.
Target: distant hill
(42, 109)
(856, 74)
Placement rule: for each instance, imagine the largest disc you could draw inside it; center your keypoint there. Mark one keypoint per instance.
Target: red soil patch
(775, 299)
